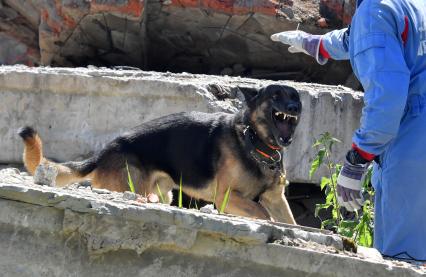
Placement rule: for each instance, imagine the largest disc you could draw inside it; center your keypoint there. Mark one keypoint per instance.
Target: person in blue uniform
(386, 45)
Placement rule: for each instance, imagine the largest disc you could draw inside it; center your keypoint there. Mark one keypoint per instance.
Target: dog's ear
(250, 94)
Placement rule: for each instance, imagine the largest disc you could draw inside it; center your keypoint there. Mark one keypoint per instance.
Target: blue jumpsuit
(386, 46)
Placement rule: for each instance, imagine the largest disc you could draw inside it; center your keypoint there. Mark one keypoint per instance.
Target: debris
(209, 209)
(102, 191)
(169, 35)
(127, 195)
(45, 175)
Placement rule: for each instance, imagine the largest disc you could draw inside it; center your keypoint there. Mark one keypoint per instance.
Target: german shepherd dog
(209, 152)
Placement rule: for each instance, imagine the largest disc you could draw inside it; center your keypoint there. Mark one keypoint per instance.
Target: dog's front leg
(238, 205)
(274, 201)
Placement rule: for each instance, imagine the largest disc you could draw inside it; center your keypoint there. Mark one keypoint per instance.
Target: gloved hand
(349, 181)
(301, 42)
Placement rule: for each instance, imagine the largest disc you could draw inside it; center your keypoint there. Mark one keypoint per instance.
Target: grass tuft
(129, 179)
(225, 200)
(160, 194)
(180, 191)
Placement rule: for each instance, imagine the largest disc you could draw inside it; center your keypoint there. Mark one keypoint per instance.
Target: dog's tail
(68, 172)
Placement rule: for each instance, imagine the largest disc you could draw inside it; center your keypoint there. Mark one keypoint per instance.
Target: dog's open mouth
(284, 122)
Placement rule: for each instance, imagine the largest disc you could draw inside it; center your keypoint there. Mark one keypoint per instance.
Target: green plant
(160, 194)
(225, 200)
(360, 227)
(180, 192)
(129, 179)
(180, 199)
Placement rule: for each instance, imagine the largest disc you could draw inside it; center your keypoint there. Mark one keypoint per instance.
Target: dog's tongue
(283, 129)
(285, 134)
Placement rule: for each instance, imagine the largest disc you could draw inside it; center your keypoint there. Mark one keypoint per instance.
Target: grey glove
(301, 42)
(349, 182)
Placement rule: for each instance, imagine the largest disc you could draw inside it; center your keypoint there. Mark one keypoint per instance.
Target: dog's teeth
(285, 116)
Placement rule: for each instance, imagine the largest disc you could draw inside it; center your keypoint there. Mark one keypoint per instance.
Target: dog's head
(273, 111)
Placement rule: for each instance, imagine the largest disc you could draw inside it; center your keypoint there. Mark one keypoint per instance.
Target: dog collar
(262, 152)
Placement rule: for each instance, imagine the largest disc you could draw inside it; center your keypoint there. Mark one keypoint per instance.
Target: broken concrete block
(127, 195)
(209, 209)
(45, 175)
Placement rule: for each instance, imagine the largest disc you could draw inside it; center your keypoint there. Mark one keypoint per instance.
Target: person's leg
(401, 222)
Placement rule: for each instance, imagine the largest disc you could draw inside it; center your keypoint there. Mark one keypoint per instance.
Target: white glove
(301, 42)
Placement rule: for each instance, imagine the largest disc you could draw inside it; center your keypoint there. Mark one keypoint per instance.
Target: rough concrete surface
(209, 36)
(76, 111)
(47, 231)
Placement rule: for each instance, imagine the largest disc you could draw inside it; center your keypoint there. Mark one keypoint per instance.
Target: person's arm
(336, 44)
(321, 47)
(377, 55)
(376, 52)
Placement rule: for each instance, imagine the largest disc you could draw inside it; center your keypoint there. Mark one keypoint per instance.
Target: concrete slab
(47, 231)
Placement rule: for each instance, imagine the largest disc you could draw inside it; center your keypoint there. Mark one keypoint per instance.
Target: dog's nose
(293, 108)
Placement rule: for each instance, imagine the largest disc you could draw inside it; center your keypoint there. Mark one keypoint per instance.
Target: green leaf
(319, 207)
(317, 143)
(365, 231)
(331, 141)
(324, 138)
(337, 169)
(347, 228)
(225, 200)
(129, 179)
(329, 199)
(336, 140)
(328, 223)
(365, 228)
(180, 192)
(316, 162)
(324, 182)
(160, 194)
(367, 178)
(334, 213)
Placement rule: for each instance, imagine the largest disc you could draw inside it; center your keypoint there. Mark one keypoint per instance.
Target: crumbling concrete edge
(136, 226)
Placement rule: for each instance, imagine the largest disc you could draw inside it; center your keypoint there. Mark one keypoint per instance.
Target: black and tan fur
(209, 152)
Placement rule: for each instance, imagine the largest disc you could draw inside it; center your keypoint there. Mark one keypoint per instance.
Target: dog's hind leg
(117, 176)
(161, 184)
(238, 205)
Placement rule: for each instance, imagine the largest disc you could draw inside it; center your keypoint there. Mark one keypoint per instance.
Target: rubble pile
(209, 36)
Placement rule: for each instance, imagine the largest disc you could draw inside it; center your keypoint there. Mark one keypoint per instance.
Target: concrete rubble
(46, 231)
(209, 37)
(77, 110)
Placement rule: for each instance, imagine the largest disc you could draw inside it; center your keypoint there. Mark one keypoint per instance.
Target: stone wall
(76, 111)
